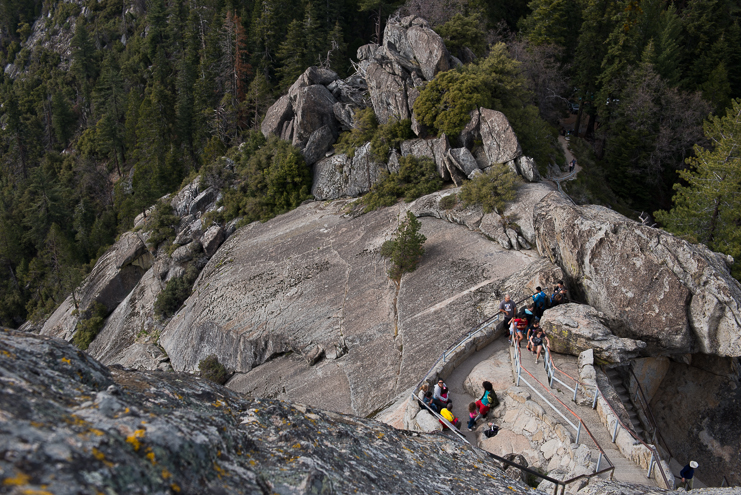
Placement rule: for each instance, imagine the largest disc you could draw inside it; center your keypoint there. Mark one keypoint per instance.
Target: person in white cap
(688, 475)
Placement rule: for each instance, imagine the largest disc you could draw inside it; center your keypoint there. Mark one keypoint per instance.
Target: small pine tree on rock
(405, 249)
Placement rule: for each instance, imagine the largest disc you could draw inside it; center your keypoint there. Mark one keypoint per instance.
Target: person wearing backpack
(539, 301)
(559, 294)
(487, 401)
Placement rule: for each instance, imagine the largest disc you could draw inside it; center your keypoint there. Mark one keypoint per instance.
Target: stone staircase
(616, 379)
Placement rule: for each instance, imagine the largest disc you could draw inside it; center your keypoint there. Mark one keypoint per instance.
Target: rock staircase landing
(625, 470)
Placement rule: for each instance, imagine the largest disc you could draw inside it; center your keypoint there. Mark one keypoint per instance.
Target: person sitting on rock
(509, 309)
(537, 342)
(532, 330)
(438, 398)
(539, 299)
(559, 294)
(447, 413)
(423, 391)
(427, 400)
(473, 414)
(487, 401)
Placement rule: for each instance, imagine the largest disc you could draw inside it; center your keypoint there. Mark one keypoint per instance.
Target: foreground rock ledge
(74, 426)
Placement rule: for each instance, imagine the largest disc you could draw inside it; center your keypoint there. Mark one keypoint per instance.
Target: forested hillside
(106, 105)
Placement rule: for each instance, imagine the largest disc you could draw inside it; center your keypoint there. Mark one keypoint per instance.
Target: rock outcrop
(112, 278)
(574, 328)
(340, 176)
(675, 296)
(313, 277)
(74, 425)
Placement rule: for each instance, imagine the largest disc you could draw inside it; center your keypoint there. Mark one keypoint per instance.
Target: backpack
(492, 431)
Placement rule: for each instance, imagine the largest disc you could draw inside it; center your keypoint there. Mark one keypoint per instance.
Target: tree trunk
(577, 125)
(590, 126)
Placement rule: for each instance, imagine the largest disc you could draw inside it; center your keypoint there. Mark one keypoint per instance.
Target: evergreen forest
(107, 105)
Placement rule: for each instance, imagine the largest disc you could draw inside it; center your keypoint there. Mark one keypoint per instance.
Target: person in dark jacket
(688, 475)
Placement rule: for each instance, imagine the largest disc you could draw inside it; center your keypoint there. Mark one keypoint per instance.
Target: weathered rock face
(341, 176)
(696, 408)
(574, 328)
(314, 109)
(111, 280)
(280, 113)
(71, 423)
(499, 140)
(132, 318)
(313, 277)
(436, 148)
(675, 296)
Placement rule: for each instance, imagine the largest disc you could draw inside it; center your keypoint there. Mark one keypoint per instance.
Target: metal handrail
(649, 414)
(652, 448)
(518, 363)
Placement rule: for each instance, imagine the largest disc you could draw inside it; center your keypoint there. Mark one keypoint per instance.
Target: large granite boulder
(520, 211)
(314, 109)
(574, 328)
(109, 282)
(313, 277)
(71, 425)
(388, 93)
(277, 116)
(341, 176)
(436, 148)
(429, 50)
(652, 286)
(498, 137)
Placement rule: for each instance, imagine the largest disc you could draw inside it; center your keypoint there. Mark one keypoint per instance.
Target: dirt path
(569, 156)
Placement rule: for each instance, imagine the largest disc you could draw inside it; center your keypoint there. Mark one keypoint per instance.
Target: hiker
(473, 413)
(559, 294)
(508, 308)
(423, 391)
(539, 299)
(447, 413)
(572, 165)
(487, 401)
(437, 396)
(520, 329)
(537, 342)
(531, 331)
(688, 475)
(427, 400)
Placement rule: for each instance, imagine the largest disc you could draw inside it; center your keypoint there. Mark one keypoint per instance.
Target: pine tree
(708, 208)
(405, 249)
(553, 22)
(62, 118)
(292, 55)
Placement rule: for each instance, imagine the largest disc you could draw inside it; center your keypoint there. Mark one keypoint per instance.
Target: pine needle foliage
(383, 138)
(405, 249)
(175, 293)
(708, 208)
(492, 189)
(211, 369)
(90, 326)
(162, 224)
(416, 177)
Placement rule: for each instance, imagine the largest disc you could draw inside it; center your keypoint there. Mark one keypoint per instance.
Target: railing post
(594, 401)
(599, 461)
(614, 433)
(443, 356)
(576, 387)
(650, 465)
(578, 432)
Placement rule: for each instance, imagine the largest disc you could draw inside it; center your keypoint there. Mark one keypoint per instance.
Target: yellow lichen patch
(66, 360)
(35, 491)
(36, 424)
(97, 433)
(8, 354)
(219, 470)
(380, 435)
(98, 454)
(150, 456)
(133, 439)
(296, 445)
(252, 462)
(175, 487)
(166, 474)
(18, 479)
(218, 403)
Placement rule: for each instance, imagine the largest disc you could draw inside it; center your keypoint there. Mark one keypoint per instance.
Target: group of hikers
(523, 325)
(439, 402)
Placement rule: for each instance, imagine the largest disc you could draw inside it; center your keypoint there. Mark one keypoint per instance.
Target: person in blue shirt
(688, 475)
(539, 301)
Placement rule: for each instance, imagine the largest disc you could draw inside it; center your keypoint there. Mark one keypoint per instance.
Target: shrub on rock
(492, 189)
(212, 369)
(89, 326)
(405, 249)
(416, 177)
